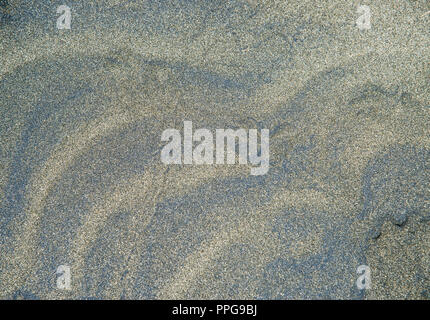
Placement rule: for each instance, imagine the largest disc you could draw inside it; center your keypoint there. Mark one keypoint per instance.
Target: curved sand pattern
(82, 115)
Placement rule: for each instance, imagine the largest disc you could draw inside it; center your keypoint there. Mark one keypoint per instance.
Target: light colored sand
(82, 113)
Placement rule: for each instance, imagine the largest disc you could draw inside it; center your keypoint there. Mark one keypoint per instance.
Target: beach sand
(82, 184)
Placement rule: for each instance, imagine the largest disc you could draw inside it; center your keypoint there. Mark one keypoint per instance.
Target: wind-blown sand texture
(82, 184)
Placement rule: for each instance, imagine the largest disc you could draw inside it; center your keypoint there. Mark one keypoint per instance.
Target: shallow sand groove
(82, 184)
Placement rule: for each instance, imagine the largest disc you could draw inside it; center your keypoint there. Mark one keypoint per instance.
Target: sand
(82, 184)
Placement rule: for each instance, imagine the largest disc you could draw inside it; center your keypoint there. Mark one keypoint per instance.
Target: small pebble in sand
(400, 218)
(375, 233)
